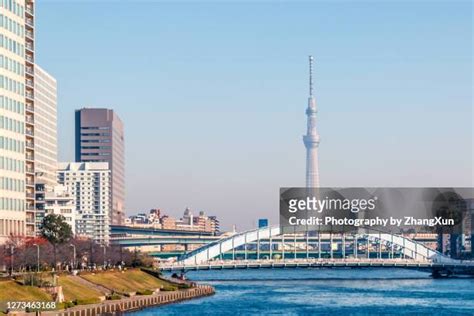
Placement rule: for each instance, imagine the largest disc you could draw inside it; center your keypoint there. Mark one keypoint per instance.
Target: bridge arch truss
(310, 245)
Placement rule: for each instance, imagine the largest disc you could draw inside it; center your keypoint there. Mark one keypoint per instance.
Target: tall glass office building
(100, 138)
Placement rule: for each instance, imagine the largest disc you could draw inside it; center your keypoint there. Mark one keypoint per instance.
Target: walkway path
(90, 284)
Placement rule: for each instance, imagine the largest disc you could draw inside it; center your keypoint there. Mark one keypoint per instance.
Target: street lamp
(37, 257)
(105, 260)
(73, 256)
(11, 259)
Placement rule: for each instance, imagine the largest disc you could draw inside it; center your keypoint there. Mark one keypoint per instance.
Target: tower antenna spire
(311, 139)
(310, 75)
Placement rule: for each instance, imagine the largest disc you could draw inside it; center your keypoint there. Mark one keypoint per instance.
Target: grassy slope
(74, 290)
(11, 291)
(129, 281)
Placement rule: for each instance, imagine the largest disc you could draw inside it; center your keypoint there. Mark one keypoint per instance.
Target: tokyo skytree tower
(311, 139)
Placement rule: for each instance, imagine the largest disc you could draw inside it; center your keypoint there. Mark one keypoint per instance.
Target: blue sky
(213, 95)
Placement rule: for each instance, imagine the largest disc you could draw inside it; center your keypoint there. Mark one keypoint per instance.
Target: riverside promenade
(118, 307)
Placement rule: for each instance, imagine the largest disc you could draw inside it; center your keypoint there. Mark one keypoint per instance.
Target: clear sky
(213, 95)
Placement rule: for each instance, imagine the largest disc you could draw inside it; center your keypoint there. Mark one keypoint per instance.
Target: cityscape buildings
(100, 138)
(89, 184)
(189, 222)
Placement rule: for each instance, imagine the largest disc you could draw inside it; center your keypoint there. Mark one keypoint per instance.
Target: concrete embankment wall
(134, 303)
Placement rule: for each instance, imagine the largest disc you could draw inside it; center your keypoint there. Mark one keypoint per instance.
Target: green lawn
(129, 281)
(12, 291)
(74, 290)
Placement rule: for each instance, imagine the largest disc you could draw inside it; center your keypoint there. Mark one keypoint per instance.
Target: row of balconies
(29, 107)
(29, 57)
(30, 83)
(29, 9)
(29, 46)
(30, 70)
(30, 22)
(30, 34)
(30, 95)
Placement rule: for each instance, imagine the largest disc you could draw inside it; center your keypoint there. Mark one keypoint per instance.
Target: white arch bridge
(267, 248)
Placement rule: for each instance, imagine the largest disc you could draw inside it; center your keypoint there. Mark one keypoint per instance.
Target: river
(325, 291)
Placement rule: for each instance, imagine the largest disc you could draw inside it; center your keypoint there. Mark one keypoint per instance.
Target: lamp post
(105, 251)
(73, 256)
(11, 259)
(37, 257)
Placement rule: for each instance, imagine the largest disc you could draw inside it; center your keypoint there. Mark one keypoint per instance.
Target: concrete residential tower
(46, 139)
(17, 180)
(89, 185)
(311, 139)
(100, 138)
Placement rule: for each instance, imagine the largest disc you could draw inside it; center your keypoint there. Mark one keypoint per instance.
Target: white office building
(90, 186)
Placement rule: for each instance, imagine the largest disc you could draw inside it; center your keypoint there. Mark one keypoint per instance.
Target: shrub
(87, 301)
(145, 292)
(65, 305)
(114, 297)
(169, 288)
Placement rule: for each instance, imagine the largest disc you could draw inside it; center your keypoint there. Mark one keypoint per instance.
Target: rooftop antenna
(311, 76)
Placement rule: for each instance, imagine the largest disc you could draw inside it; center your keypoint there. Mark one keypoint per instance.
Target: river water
(325, 291)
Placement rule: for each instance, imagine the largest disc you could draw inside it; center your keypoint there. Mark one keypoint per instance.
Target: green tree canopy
(55, 229)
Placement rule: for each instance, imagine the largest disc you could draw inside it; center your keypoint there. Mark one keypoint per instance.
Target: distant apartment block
(189, 222)
(100, 138)
(90, 186)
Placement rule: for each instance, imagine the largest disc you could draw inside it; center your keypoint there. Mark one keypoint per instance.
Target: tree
(55, 230)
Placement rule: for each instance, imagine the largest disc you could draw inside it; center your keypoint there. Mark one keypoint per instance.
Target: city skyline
(207, 111)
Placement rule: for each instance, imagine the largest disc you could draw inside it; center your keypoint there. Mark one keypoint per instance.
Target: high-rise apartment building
(46, 142)
(46, 132)
(100, 138)
(90, 186)
(16, 117)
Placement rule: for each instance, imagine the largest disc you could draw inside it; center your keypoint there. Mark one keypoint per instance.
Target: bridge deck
(273, 264)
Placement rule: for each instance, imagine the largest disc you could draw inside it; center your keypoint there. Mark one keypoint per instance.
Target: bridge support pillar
(283, 246)
(355, 250)
(258, 245)
(294, 243)
(319, 244)
(393, 247)
(233, 248)
(368, 248)
(307, 245)
(343, 246)
(245, 247)
(330, 246)
(270, 245)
